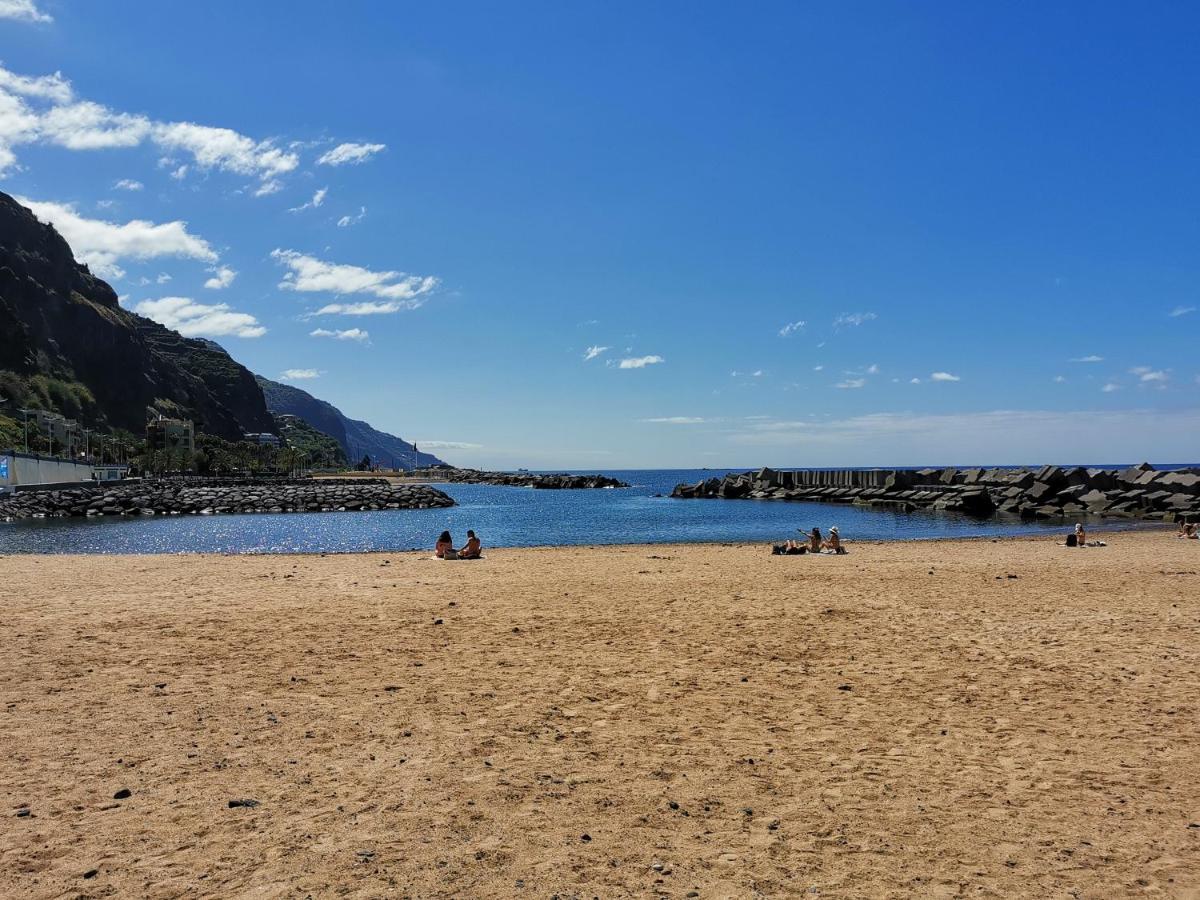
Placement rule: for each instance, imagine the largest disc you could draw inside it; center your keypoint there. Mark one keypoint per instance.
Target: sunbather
(833, 543)
(444, 544)
(472, 549)
(814, 541)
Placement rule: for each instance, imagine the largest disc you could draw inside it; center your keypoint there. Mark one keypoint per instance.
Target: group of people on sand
(445, 549)
(813, 543)
(1188, 530)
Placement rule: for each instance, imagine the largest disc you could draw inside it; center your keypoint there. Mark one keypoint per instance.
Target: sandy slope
(905, 720)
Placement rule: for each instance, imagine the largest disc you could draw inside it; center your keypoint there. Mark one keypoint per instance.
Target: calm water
(513, 517)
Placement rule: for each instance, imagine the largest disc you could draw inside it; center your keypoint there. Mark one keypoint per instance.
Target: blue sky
(803, 234)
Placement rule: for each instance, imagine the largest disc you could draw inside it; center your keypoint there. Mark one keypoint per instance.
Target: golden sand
(991, 719)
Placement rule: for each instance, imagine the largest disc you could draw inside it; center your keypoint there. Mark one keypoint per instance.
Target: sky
(604, 235)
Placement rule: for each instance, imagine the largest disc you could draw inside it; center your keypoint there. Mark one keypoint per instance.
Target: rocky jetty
(525, 479)
(208, 496)
(1049, 492)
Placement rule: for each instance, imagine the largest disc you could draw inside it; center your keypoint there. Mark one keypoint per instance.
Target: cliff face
(357, 438)
(62, 327)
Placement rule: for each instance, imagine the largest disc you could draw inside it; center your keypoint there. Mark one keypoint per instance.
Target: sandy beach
(992, 719)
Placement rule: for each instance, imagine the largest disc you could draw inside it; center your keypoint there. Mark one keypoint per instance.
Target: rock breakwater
(211, 496)
(527, 479)
(1048, 492)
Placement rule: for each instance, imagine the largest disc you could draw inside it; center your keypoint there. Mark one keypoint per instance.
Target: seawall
(1048, 492)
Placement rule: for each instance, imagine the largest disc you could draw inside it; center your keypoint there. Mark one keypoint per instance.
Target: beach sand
(941, 719)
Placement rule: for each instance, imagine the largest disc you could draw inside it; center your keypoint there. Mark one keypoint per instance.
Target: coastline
(908, 718)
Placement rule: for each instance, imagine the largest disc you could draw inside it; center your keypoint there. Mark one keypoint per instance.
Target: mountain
(67, 345)
(357, 438)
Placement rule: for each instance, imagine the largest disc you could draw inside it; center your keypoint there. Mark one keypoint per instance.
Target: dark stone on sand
(123, 794)
(247, 803)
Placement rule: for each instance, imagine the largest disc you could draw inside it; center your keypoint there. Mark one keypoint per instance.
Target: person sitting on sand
(1080, 535)
(833, 543)
(1187, 530)
(472, 549)
(814, 541)
(443, 544)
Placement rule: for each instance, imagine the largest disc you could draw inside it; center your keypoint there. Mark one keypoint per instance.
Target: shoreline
(940, 719)
(1046, 534)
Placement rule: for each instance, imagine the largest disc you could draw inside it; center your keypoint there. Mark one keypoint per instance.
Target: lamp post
(25, 413)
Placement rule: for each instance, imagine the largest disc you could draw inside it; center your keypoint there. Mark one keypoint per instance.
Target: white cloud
(1181, 311)
(914, 381)
(1147, 375)
(640, 362)
(593, 352)
(446, 445)
(23, 11)
(347, 221)
(311, 275)
(354, 154)
(943, 376)
(851, 383)
(317, 199)
(818, 368)
(268, 187)
(103, 244)
(180, 173)
(364, 308)
(790, 327)
(1087, 359)
(222, 278)
(873, 369)
(1110, 387)
(128, 184)
(192, 319)
(853, 319)
(298, 374)
(163, 278)
(1059, 379)
(677, 420)
(57, 117)
(349, 334)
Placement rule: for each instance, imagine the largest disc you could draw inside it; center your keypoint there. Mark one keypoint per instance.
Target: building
(263, 438)
(170, 434)
(111, 472)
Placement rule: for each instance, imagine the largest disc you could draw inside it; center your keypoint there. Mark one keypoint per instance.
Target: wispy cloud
(128, 184)
(23, 11)
(943, 376)
(347, 221)
(350, 154)
(397, 290)
(446, 445)
(593, 351)
(791, 327)
(298, 374)
(1087, 359)
(317, 199)
(102, 245)
(677, 420)
(1110, 387)
(1147, 375)
(640, 362)
(1181, 311)
(853, 319)
(192, 319)
(349, 334)
(851, 383)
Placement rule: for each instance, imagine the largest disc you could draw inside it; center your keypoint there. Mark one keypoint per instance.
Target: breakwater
(524, 479)
(1048, 492)
(211, 496)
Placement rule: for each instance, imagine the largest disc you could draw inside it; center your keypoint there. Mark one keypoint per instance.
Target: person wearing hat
(833, 543)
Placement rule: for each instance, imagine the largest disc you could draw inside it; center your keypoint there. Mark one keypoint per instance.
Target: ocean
(511, 517)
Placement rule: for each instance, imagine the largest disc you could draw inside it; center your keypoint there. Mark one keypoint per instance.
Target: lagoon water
(506, 517)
